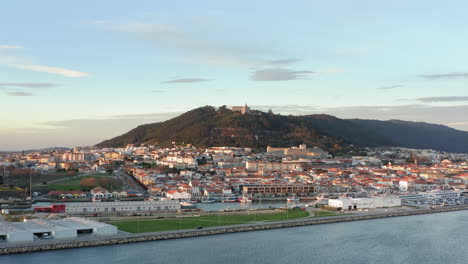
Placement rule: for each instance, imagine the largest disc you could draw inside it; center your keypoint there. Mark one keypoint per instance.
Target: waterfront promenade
(142, 237)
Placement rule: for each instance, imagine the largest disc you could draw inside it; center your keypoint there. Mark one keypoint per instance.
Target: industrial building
(298, 189)
(67, 228)
(122, 207)
(364, 203)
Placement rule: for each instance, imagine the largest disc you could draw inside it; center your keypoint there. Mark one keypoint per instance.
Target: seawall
(142, 237)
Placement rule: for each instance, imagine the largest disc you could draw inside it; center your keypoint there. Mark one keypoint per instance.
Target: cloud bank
(436, 99)
(452, 75)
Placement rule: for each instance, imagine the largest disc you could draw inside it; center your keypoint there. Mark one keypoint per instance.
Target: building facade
(122, 207)
(364, 203)
(274, 189)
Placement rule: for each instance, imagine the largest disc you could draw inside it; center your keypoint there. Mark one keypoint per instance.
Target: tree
(202, 161)
(163, 169)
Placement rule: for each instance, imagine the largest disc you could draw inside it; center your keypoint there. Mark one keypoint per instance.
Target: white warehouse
(113, 207)
(364, 203)
(67, 228)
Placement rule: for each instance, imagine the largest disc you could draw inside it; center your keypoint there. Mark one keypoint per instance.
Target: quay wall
(142, 237)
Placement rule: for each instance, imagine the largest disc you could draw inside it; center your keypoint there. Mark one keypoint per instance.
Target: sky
(74, 73)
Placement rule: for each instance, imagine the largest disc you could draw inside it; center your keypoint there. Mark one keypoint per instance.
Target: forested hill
(418, 134)
(209, 126)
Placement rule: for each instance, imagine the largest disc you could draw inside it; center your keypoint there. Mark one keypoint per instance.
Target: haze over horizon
(90, 71)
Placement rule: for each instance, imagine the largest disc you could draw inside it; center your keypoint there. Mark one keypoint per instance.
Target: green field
(67, 183)
(58, 176)
(40, 178)
(205, 221)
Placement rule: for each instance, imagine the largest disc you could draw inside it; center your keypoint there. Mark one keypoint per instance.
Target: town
(150, 181)
(189, 173)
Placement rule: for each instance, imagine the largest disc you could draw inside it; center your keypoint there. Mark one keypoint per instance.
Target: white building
(178, 195)
(67, 228)
(364, 203)
(100, 192)
(403, 186)
(112, 207)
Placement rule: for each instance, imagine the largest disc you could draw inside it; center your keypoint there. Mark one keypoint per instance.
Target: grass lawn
(38, 179)
(72, 183)
(205, 221)
(64, 187)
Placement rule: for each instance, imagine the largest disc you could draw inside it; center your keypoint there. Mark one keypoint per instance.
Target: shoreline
(178, 234)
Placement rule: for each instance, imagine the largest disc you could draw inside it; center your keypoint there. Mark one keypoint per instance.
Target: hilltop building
(243, 109)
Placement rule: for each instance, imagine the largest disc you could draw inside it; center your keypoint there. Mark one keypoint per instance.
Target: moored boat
(229, 200)
(208, 200)
(292, 199)
(245, 199)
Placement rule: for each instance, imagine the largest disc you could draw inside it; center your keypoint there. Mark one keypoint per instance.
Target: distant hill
(209, 126)
(418, 134)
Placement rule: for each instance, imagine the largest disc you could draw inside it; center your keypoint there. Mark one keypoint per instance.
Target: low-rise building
(364, 203)
(178, 195)
(100, 192)
(67, 228)
(297, 189)
(125, 207)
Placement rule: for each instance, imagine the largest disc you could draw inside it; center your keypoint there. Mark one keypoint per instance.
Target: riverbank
(142, 237)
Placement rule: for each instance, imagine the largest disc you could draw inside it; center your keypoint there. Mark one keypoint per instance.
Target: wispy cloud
(389, 87)
(187, 80)
(436, 99)
(53, 70)
(158, 91)
(10, 47)
(28, 85)
(283, 61)
(279, 74)
(452, 75)
(18, 93)
(196, 41)
(174, 37)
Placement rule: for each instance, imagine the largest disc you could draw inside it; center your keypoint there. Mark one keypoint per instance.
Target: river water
(433, 238)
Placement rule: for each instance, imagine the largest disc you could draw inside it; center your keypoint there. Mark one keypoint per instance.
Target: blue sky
(75, 73)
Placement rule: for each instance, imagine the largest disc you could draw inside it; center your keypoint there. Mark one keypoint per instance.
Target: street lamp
(30, 184)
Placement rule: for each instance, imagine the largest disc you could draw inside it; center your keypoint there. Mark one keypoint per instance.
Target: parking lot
(435, 202)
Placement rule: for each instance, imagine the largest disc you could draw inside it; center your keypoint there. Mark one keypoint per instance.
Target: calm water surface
(435, 238)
